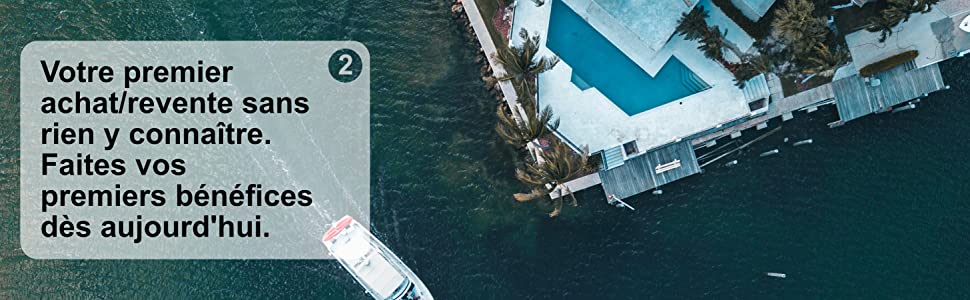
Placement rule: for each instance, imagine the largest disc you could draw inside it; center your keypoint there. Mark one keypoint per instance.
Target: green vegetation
(712, 43)
(521, 63)
(560, 165)
(794, 41)
(554, 166)
(693, 26)
(798, 27)
(806, 49)
(888, 63)
(787, 39)
(533, 126)
(824, 61)
(897, 12)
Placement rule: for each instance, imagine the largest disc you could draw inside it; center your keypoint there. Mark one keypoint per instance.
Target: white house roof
(954, 7)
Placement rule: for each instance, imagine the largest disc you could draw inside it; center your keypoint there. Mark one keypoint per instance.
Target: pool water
(596, 62)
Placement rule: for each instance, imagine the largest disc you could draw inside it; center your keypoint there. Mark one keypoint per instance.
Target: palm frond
(560, 165)
(798, 26)
(824, 61)
(693, 24)
(521, 62)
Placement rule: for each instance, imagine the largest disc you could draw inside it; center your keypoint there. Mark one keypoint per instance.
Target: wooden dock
(856, 98)
(579, 184)
(853, 96)
(779, 107)
(639, 174)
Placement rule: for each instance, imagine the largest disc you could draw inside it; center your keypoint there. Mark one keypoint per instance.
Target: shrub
(888, 63)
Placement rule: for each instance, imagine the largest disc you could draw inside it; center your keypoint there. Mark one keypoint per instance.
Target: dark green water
(875, 209)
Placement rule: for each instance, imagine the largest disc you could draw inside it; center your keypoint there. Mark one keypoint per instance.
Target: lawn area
(489, 8)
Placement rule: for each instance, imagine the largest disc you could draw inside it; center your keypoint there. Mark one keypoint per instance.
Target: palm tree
(884, 23)
(533, 126)
(693, 24)
(560, 165)
(750, 67)
(730, 45)
(903, 8)
(520, 62)
(798, 27)
(712, 44)
(898, 11)
(761, 63)
(525, 91)
(825, 61)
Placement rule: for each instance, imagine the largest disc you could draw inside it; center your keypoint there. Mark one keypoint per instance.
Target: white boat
(382, 274)
(776, 275)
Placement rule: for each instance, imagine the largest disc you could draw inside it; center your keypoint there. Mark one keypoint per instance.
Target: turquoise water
(875, 209)
(598, 63)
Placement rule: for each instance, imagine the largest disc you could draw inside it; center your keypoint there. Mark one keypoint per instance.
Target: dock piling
(769, 153)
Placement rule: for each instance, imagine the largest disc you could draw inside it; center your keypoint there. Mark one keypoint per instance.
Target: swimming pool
(596, 62)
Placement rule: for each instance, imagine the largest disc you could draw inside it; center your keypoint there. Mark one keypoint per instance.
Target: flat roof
(954, 7)
(855, 98)
(759, 7)
(936, 35)
(639, 174)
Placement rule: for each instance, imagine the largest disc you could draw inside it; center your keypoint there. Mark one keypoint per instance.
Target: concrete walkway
(579, 184)
(488, 46)
(775, 109)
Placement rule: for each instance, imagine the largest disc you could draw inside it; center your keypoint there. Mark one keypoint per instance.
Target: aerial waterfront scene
(586, 149)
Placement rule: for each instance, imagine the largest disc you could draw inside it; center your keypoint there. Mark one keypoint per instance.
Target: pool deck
(777, 108)
(667, 135)
(589, 118)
